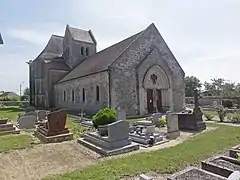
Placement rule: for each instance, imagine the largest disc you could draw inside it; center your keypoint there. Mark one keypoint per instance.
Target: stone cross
(196, 96)
(82, 114)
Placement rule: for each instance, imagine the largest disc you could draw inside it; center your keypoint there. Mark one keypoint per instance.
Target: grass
(75, 128)
(11, 142)
(10, 112)
(167, 160)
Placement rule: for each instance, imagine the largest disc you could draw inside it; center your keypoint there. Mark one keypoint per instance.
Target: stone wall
(124, 78)
(89, 84)
(73, 49)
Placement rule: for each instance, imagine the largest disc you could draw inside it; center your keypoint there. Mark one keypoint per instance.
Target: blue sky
(203, 35)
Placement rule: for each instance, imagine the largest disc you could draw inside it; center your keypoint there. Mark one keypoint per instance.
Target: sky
(204, 36)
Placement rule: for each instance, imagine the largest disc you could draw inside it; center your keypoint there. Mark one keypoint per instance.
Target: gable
(149, 40)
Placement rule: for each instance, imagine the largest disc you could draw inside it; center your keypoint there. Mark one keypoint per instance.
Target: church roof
(82, 35)
(53, 49)
(1, 40)
(101, 60)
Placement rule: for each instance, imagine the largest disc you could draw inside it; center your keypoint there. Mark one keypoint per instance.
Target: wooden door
(159, 101)
(150, 100)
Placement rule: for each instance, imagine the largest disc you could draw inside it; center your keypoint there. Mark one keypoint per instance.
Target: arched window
(82, 51)
(64, 96)
(97, 93)
(73, 95)
(87, 51)
(83, 95)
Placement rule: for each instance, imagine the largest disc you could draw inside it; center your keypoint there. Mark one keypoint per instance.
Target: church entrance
(156, 91)
(151, 97)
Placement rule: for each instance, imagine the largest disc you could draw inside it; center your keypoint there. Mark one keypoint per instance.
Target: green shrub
(104, 116)
(222, 112)
(208, 116)
(234, 117)
(162, 122)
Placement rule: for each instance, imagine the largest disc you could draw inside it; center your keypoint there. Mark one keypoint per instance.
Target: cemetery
(121, 136)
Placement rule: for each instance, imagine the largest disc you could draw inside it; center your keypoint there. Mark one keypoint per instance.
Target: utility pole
(21, 89)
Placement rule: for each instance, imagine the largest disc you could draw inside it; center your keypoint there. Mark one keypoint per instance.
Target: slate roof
(82, 35)
(54, 48)
(101, 60)
(1, 40)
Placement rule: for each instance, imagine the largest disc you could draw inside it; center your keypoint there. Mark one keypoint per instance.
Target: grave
(115, 141)
(7, 127)
(192, 120)
(193, 173)
(53, 129)
(172, 125)
(145, 177)
(154, 120)
(121, 114)
(146, 136)
(29, 109)
(27, 121)
(234, 151)
(221, 165)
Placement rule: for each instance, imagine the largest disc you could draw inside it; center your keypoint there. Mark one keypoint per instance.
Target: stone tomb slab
(234, 151)
(221, 165)
(8, 128)
(193, 173)
(116, 141)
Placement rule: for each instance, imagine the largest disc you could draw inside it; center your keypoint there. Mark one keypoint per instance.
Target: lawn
(10, 112)
(24, 140)
(11, 142)
(167, 160)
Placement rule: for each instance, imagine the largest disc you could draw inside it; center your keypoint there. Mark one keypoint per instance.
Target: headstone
(29, 109)
(42, 115)
(145, 177)
(150, 130)
(234, 176)
(155, 119)
(7, 128)
(82, 114)
(121, 114)
(172, 125)
(27, 121)
(54, 129)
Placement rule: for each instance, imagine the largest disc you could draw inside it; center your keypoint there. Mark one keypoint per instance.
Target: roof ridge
(56, 36)
(77, 28)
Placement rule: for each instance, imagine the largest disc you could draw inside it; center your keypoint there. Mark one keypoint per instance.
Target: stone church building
(139, 74)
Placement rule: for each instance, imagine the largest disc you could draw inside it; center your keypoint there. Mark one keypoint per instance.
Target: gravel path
(44, 159)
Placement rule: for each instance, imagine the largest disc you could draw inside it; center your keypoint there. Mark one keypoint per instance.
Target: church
(138, 74)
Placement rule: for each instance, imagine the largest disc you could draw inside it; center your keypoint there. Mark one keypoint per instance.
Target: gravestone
(54, 130)
(7, 128)
(193, 173)
(42, 115)
(192, 120)
(115, 142)
(29, 109)
(221, 165)
(146, 136)
(234, 151)
(172, 125)
(121, 114)
(234, 176)
(145, 177)
(27, 121)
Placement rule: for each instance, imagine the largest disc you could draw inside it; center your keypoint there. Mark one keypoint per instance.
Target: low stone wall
(14, 103)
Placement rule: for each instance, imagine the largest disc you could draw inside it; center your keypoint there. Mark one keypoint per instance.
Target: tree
(191, 83)
(26, 94)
